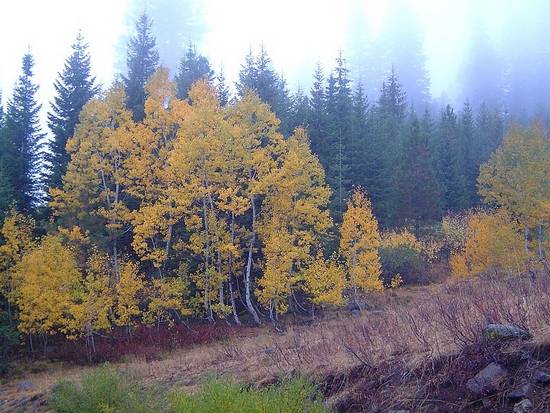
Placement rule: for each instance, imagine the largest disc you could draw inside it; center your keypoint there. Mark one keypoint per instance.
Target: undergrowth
(106, 390)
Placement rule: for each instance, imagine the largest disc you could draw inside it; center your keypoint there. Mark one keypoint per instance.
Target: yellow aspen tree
(92, 193)
(294, 217)
(325, 281)
(493, 245)
(149, 145)
(127, 296)
(95, 302)
(256, 143)
(166, 296)
(517, 177)
(17, 233)
(359, 243)
(48, 285)
(195, 165)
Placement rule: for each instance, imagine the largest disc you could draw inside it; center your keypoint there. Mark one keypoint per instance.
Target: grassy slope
(406, 329)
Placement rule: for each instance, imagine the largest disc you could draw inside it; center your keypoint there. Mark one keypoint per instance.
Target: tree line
(163, 197)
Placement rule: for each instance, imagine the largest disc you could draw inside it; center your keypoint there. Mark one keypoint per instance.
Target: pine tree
(142, 61)
(192, 67)
(419, 195)
(74, 87)
(22, 136)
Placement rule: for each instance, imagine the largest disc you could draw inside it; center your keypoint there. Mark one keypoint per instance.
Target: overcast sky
(296, 33)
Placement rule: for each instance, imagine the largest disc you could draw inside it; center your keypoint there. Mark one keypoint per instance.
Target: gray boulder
(487, 380)
(498, 332)
(541, 377)
(520, 393)
(25, 385)
(523, 406)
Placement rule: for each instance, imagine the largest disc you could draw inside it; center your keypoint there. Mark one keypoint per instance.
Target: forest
(169, 199)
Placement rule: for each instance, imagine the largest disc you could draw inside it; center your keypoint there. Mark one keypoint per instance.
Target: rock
(541, 377)
(25, 385)
(523, 406)
(520, 393)
(498, 332)
(487, 380)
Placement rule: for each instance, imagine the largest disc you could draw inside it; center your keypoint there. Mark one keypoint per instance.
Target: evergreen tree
(418, 191)
(342, 135)
(447, 161)
(467, 163)
(192, 67)
(317, 113)
(222, 90)
(299, 112)
(359, 136)
(142, 61)
(74, 87)
(388, 126)
(21, 147)
(257, 74)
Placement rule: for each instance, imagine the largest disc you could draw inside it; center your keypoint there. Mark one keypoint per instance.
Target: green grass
(108, 391)
(292, 396)
(105, 391)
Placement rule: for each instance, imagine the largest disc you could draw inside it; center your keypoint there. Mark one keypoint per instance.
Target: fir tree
(448, 161)
(359, 135)
(222, 89)
(192, 67)
(257, 75)
(418, 190)
(74, 87)
(317, 112)
(467, 163)
(22, 139)
(388, 126)
(299, 111)
(142, 61)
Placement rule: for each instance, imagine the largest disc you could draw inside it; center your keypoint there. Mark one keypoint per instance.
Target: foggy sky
(296, 34)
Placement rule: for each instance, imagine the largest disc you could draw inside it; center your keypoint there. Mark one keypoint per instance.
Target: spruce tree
(467, 162)
(359, 136)
(222, 89)
(419, 198)
(299, 111)
(22, 138)
(447, 157)
(193, 67)
(388, 126)
(317, 112)
(341, 137)
(74, 87)
(142, 61)
(257, 75)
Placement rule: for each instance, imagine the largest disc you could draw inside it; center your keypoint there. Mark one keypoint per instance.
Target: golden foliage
(359, 243)
(325, 280)
(493, 244)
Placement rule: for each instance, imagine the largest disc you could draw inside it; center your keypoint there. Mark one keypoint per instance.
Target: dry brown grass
(407, 329)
